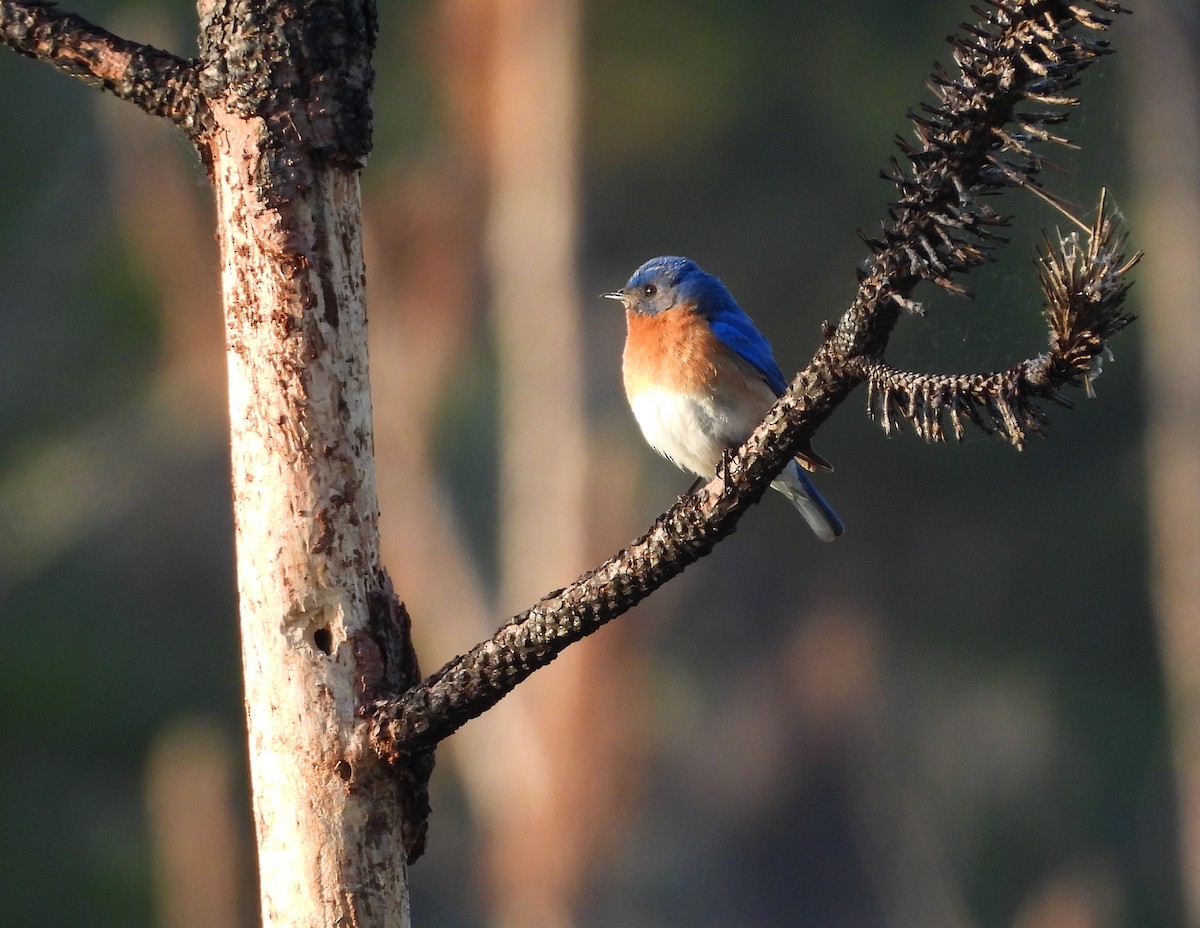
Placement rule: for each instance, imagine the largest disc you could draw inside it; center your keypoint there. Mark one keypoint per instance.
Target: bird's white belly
(690, 430)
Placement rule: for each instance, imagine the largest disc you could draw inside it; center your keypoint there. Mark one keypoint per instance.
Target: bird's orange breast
(674, 350)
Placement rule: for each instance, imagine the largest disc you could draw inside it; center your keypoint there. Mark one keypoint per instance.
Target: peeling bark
(322, 632)
(304, 499)
(278, 105)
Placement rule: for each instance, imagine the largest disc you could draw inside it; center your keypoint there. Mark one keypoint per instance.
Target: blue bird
(700, 377)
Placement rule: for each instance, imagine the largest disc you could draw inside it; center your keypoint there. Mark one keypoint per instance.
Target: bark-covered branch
(158, 82)
(977, 138)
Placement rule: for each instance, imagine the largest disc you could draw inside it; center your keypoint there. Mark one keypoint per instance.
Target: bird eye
(649, 289)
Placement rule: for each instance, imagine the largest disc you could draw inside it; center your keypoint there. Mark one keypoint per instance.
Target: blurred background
(980, 707)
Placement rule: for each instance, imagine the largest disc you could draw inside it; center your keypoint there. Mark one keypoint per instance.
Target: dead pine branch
(1084, 283)
(155, 81)
(979, 137)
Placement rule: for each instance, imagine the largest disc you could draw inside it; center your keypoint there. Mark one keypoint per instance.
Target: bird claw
(726, 461)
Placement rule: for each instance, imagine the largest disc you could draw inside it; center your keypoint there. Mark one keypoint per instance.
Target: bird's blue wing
(737, 333)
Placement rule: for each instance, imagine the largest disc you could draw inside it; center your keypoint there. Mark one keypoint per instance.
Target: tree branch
(158, 82)
(1085, 287)
(974, 141)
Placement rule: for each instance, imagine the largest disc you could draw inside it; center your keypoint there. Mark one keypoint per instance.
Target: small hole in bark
(343, 770)
(323, 639)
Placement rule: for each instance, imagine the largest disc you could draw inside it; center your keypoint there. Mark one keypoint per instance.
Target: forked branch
(1084, 283)
(1015, 70)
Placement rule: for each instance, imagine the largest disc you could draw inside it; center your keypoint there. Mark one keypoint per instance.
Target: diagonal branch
(976, 140)
(158, 82)
(470, 684)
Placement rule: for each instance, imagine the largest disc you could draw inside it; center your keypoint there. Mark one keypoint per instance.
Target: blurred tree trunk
(549, 773)
(530, 238)
(1164, 69)
(199, 862)
(547, 807)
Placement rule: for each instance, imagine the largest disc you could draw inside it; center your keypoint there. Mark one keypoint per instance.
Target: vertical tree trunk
(530, 238)
(200, 871)
(290, 125)
(1165, 73)
(541, 841)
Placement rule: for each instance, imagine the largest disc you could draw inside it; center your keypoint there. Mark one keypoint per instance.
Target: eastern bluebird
(700, 377)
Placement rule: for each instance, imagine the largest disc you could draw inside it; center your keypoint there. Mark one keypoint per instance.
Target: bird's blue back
(732, 326)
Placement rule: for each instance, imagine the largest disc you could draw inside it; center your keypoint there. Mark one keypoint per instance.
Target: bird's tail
(795, 485)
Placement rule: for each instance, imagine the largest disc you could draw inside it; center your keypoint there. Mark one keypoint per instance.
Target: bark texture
(158, 82)
(319, 619)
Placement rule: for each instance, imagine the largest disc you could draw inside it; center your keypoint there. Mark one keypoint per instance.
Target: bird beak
(615, 295)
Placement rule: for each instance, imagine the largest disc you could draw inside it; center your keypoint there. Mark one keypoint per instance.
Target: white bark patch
(325, 808)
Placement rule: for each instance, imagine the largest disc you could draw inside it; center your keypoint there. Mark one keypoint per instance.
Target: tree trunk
(1165, 76)
(325, 810)
(315, 607)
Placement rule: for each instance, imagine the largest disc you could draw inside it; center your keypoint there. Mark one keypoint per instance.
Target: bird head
(662, 283)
